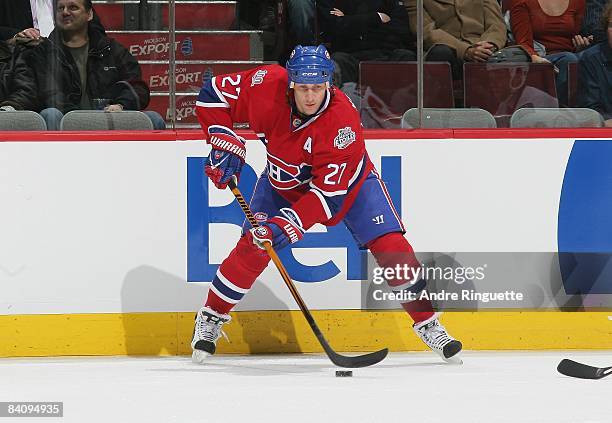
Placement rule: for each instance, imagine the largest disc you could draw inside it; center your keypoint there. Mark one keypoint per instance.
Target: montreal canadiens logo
(282, 175)
(261, 232)
(261, 216)
(345, 137)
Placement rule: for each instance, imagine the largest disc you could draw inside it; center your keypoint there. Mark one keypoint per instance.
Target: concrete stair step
(191, 14)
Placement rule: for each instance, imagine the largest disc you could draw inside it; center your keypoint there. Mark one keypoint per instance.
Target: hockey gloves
(279, 231)
(226, 157)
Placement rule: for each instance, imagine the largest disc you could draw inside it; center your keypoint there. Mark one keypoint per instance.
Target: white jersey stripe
(384, 189)
(223, 297)
(357, 172)
(328, 193)
(219, 94)
(229, 284)
(220, 105)
(328, 213)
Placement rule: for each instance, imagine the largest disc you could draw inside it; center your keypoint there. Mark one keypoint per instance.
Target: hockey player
(318, 171)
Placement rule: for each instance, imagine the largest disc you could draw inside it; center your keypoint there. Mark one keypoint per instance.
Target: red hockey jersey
(318, 164)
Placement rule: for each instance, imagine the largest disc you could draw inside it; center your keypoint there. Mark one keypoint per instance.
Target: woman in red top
(555, 24)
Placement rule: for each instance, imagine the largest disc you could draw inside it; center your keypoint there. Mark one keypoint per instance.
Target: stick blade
(582, 371)
(358, 361)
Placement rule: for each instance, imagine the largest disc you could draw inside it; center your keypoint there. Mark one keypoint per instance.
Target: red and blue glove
(226, 157)
(279, 231)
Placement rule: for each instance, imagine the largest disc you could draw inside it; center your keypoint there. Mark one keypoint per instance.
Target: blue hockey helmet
(310, 65)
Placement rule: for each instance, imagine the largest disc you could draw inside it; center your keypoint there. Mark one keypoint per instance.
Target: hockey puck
(344, 373)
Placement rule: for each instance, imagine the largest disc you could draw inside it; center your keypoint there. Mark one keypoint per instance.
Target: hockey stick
(582, 371)
(339, 360)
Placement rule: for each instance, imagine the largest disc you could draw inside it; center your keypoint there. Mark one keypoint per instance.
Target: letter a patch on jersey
(345, 137)
(308, 145)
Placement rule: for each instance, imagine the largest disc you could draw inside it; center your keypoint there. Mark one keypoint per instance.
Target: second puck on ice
(344, 373)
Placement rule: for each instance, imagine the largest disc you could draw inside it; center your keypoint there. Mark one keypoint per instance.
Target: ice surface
(489, 387)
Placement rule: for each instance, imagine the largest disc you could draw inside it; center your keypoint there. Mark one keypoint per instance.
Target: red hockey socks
(393, 250)
(236, 275)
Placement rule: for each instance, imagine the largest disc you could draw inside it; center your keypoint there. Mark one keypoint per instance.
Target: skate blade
(456, 359)
(199, 356)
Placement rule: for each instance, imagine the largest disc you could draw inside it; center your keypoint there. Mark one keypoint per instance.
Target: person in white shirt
(26, 18)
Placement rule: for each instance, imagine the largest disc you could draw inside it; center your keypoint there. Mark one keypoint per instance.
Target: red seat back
(388, 89)
(502, 88)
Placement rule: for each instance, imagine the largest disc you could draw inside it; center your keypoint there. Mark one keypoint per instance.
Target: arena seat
(99, 120)
(387, 89)
(503, 88)
(22, 120)
(556, 118)
(449, 118)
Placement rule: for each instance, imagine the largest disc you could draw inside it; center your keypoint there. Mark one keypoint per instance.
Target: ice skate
(434, 335)
(206, 332)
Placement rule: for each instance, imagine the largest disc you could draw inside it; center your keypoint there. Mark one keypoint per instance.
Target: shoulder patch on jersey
(345, 137)
(258, 77)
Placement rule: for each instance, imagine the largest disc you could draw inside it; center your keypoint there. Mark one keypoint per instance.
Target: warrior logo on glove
(226, 157)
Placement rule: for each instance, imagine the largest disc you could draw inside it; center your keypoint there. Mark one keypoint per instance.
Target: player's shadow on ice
(249, 368)
(158, 310)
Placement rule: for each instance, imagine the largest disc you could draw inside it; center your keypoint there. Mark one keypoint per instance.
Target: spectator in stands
(591, 24)
(79, 68)
(365, 30)
(556, 25)
(17, 84)
(460, 31)
(26, 18)
(595, 73)
(302, 15)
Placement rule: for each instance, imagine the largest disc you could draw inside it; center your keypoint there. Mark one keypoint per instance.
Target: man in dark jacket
(79, 68)
(17, 85)
(365, 30)
(595, 73)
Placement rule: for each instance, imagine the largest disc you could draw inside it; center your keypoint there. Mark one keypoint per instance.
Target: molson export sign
(189, 45)
(185, 107)
(189, 76)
